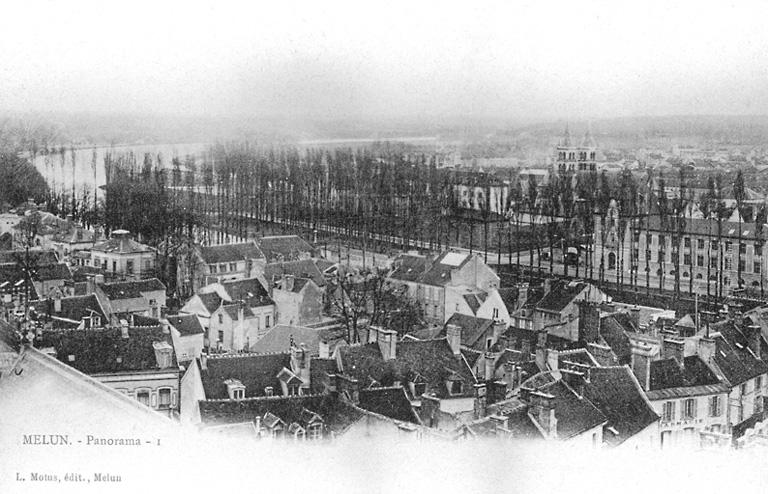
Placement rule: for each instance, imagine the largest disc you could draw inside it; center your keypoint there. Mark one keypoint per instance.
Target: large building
(571, 157)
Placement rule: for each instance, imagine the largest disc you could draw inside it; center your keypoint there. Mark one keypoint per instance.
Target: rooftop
(214, 254)
(284, 248)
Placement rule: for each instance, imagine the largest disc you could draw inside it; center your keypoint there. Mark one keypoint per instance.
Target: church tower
(572, 157)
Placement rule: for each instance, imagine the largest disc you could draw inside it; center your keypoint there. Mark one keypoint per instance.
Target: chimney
(522, 295)
(641, 363)
(324, 349)
(541, 349)
(387, 340)
(496, 392)
(288, 281)
(124, 331)
(481, 404)
(635, 312)
(674, 348)
(98, 279)
(57, 302)
(542, 408)
(589, 322)
(553, 359)
(525, 348)
(373, 334)
(163, 354)
(454, 338)
(498, 329)
(706, 349)
(203, 361)
(490, 365)
(754, 335)
(512, 375)
(547, 285)
(269, 391)
(90, 285)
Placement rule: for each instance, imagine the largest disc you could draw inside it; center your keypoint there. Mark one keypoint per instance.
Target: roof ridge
(266, 398)
(243, 354)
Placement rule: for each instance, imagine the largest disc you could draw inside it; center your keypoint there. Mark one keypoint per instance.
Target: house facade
(124, 256)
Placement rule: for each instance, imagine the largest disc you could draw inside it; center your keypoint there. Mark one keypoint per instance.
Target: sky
(514, 59)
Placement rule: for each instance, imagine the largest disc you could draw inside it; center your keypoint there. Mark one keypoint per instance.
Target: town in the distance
(562, 288)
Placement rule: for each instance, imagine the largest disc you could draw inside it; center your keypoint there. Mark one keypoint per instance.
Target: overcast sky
(508, 59)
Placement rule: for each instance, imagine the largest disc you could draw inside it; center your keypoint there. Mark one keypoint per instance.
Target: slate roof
(574, 415)
(186, 324)
(249, 290)
(211, 301)
(560, 295)
(671, 380)
(615, 336)
(45, 272)
(255, 371)
(391, 402)
(433, 360)
(74, 308)
(233, 311)
(475, 300)
(278, 339)
(407, 267)
(122, 290)
(515, 336)
(439, 273)
(41, 256)
(306, 268)
(509, 296)
(100, 351)
(121, 244)
(74, 235)
(733, 356)
(472, 328)
(337, 415)
(284, 248)
(214, 254)
(618, 396)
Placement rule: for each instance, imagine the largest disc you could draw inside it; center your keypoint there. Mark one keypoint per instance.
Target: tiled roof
(278, 339)
(306, 268)
(509, 296)
(186, 324)
(45, 272)
(98, 351)
(256, 372)
(121, 245)
(391, 402)
(233, 311)
(408, 267)
(284, 248)
(515, 336)
(131, 289)
(574, 415)
(733, 356)
(213, 254)
(249, 290)
(615, 336)
(617, 394)
(337, 415)
(433, 360)
(74, 308)
(472, 328)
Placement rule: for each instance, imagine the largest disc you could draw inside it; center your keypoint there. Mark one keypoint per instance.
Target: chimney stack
(575, 379)
(481, 404)
(387, 340)
(525, 347)
(490, 365)
(454, 338)
(512, 375)
(542, 408)
(203, 361)
(635, 312)
(553, 359)
(642, 354)
(324, 349)
(547, 285)
(541, 349)
(706, 349)
(57, 302)
(674, 348)
(589, 322)
(288, 281)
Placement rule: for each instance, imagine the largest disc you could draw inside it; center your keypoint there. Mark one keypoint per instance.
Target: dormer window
(235, 389)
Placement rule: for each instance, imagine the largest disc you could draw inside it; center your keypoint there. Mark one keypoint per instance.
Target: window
(700, 261)
(687, 241)
(689, 409)
(129, 266)
(114, 266)
(147, 264)
(742, 265)
(457, 387)
(713, 262)
(744, 389)
(143, 397)
(687, 259)
(165, 398)
(267, 323)
(700, 243)
(221, 336)
(727, 263)
(232, 266)
(756, 267)
(758, 250)
(648, 239)
(221, 318)
(239, 393)
(742, 248)
(495, 313)
(669, 411)
(713, 244)
(727, 246)
(662, 241)
(315, 431)
(758, 383)
(223, 268)
(293, 390)
(715, 408)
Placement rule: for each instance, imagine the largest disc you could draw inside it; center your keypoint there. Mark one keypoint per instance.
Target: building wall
(647, 438)
(192, 391)
(681, 431)
(187, 347)
(242, 333)
(300, 308)
(143, 262)
(132, 384)
(742, 404)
